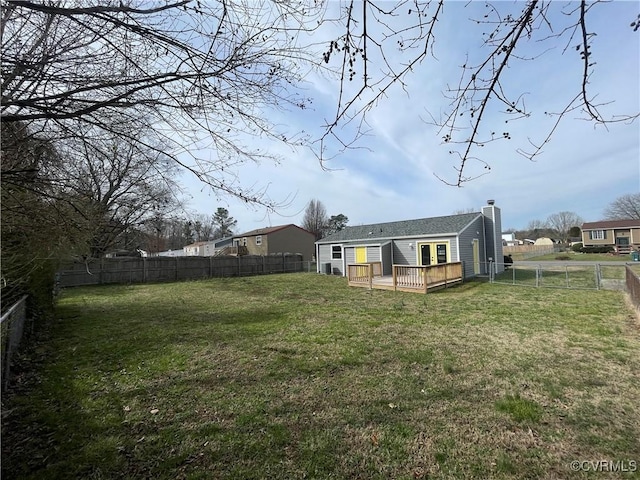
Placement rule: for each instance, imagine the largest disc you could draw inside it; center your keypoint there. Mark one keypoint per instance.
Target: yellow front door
(361, 254)
(476, 257)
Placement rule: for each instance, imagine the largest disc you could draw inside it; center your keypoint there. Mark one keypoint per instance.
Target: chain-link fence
(560, 275)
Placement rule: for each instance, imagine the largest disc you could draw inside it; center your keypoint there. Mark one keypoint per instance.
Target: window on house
(244, 242)
(597, 234)
(259, 240)
(336, 252)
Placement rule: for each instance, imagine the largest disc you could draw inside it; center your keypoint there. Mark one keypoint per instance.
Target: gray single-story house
(475, 239)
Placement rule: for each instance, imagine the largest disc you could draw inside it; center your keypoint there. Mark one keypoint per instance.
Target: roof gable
(404, 228)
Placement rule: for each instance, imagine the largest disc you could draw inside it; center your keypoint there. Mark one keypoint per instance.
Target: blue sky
(393, 175)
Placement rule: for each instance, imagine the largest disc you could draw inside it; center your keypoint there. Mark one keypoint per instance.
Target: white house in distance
(475, 239)
(206, 249)
(510, 240)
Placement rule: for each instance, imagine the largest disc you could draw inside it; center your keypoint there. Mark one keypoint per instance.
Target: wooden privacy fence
(170, 269)
(633, 286)
(406, 278)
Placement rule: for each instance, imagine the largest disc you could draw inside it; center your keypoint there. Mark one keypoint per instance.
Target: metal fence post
(14, 321)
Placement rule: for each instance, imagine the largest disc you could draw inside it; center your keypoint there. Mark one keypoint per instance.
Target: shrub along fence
(170, 269)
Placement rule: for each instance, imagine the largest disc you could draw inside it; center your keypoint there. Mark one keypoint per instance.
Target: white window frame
(597, 235)
(259, 240)
(336, 249)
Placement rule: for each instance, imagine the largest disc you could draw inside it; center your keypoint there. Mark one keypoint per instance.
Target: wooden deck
(405, 278)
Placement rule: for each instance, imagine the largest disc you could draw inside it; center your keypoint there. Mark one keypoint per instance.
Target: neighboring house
(207, 249)
(622, 235)
(125, 254)
(215, 247)
(171, 253)
(509, 240)
(194, 250)
(471, 238)
(281, 239)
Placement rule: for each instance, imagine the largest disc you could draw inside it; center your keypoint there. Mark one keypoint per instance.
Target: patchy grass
(298, 376)
(582, 257)
(561, 276)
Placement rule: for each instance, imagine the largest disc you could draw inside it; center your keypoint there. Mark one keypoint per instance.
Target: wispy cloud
(582, 168)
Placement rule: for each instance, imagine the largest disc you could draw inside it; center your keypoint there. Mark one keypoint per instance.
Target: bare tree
(203, 227)
(625, 207)
(199, 74)
(114, 185)
(315, 218)
(382, 43)
(206, 75)
(562, 222)
(38, 228)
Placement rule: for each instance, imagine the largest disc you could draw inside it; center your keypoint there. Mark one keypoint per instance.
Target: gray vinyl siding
(324, 256)
(403, 254)
(373, 253)
(350, 255)
(493, 235)
(466, 237)
(499, 250)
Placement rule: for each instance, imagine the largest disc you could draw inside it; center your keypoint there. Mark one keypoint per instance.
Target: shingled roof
(404, 228)
(604, 224)
(268, 230)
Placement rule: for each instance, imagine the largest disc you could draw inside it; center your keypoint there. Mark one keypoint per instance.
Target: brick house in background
(622, 235)
(281, 239)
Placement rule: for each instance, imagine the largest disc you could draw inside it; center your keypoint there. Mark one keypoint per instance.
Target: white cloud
(582, 169)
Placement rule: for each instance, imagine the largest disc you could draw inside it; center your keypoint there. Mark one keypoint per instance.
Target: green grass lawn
(298, 376)
(583, 257)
